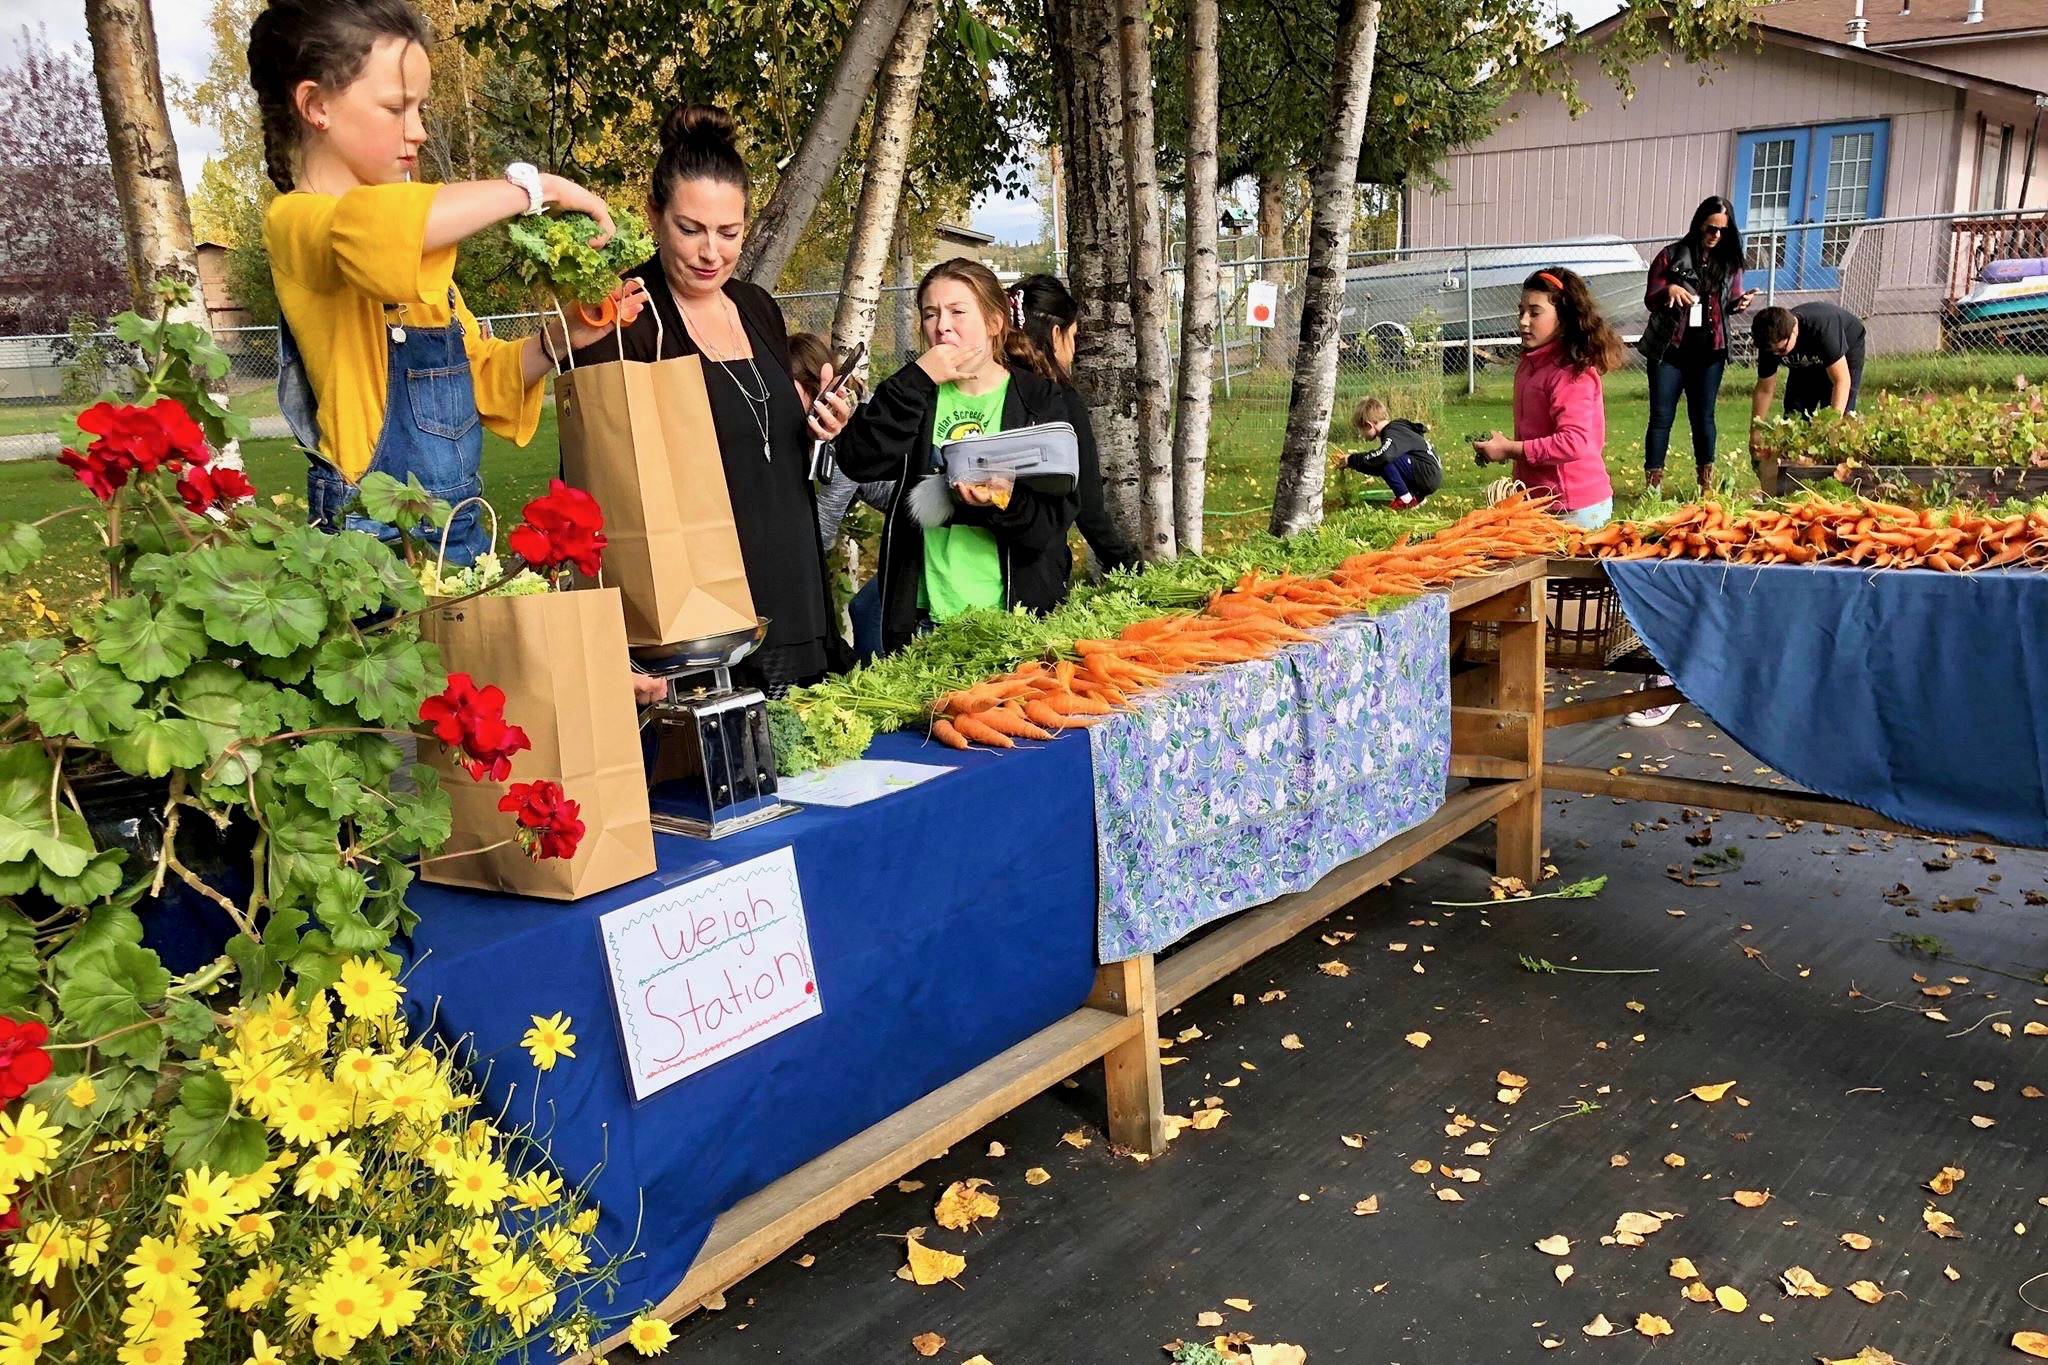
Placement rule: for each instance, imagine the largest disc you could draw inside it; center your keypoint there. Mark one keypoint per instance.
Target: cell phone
(843, 368)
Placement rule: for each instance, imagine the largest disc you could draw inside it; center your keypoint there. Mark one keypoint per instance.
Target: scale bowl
(712, 651)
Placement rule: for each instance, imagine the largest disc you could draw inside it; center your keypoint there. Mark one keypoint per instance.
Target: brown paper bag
(561, 659)
(638, 437)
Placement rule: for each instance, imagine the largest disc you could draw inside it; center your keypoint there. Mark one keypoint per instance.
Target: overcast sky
(183, 39)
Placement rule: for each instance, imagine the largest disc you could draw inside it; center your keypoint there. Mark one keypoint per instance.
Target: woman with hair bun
(947, 552)
(1050, 319)
(697, 208)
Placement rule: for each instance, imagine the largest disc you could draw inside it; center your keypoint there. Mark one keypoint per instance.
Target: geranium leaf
(189, 1021)
(324, 771)
(27, 829)
(21, 545)
(382, 677)
(157, 744)
(83, 698)
(100, 879)
(21, 663)
(383, 498)
(108, 998)
(146, 643)
(246, 600)
(20, 970)
(205, 1131)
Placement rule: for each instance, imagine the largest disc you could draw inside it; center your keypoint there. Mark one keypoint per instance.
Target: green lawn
(1244, 447)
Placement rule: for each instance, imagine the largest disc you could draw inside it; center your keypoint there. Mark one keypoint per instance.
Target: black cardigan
(890, 437)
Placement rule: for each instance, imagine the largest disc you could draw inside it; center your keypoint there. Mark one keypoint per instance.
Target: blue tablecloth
(947, 923)
(1231, 788)
(1921, 695)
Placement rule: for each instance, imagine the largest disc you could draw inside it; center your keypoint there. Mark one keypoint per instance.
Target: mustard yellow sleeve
(375, 242)
(508, 404)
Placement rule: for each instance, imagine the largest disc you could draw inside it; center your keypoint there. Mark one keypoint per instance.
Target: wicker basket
(1586, 627)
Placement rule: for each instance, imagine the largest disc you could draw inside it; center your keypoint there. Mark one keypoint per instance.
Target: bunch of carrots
(1875, 534)
(1093, 678)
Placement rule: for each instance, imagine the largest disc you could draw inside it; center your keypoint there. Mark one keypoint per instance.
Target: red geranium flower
(565, 527)
(22, 1059)
(548, 823)
(10, 1221)
(472, 719)
(132, 440)
(205, 489)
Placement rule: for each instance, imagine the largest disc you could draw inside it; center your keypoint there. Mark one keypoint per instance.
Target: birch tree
(155, 221)
(881, 190)
(1198, 291)
(1147, 266)
(1298, 496)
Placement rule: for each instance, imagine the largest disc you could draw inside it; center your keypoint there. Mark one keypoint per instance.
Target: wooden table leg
(1518, 849)
(1137, 1112)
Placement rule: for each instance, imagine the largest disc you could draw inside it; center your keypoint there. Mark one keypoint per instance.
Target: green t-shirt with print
(963, 568)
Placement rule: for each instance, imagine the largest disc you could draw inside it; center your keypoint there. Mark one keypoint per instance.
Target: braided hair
(323, 41)
(1039, 306)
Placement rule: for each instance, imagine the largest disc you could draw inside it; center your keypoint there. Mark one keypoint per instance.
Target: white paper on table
(857, 782)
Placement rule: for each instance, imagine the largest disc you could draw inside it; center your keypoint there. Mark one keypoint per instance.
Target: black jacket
(1397, 438)
(890, 437)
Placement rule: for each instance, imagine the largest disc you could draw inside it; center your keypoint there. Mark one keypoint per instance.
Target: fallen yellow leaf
(1479, 1149)
(1636, 1006)
(1206, 1119)
(1619, 1159)
(1292, 1042)
(1637, 1224)
(2035, 1029)
(1980, 1121)
(1731, 1299)
(927, 1343)
(1450, 1196)
(1508, 1095)
(1599, 1327)
(1939, 1223)
(1937, 992)
(1869, 1355)
(807, 1260)
(1241, 1305)
(1710, 1093)
(1856, 1241)
(977, 1360)
(1752, 1199)
(910, 1186)
(1366, 1206)
(2032, 1092)
(1189, 1034)
(1280, 1353)
(1673, 1160)
(1697, 1292)
(1420, 1167)
(1417, 1039)
(1557, 1244)
(1077, 1139)
(1867, 1291)
(1461, 1173)
(1333, 968)
(1683, 1269)
(1208, 1317)
(2034, 1344)
(1511, 1080)
(929, 1265)
(1800, 1284)
(1352, 1139)
(1563, 1273)
(1946, 1179)
(1650, 1325)
(964, 1203)
(1952, 1272)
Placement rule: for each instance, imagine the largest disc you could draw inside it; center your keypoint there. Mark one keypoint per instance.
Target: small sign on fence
(708, 969)
(1261, 303)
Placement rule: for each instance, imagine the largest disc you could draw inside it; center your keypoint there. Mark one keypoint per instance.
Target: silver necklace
(757, 403)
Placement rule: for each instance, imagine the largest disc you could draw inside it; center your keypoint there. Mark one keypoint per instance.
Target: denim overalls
(431, 430)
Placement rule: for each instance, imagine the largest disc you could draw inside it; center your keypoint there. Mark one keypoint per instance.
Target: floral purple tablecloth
(1228, 789)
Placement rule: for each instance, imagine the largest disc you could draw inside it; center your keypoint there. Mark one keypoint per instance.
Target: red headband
(1553, 281)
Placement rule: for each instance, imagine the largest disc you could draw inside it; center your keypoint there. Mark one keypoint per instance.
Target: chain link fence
(1950, 302)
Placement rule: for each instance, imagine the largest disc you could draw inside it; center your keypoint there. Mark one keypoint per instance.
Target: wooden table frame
(1496, 746)
(1740, 797)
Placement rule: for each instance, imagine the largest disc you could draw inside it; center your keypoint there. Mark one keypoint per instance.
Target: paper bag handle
(441, 559)
(568, 358)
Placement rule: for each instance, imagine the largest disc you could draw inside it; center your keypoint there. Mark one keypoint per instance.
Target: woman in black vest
(1695, 286)
(697, 206)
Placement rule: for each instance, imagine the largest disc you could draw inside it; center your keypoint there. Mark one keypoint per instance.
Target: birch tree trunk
(905, 311)
(1198, 292)
(772, 236)
(155, 220)
(1298, 495)
(1156, 499)
(881, 189)
(1272, 246)
(1087, 75)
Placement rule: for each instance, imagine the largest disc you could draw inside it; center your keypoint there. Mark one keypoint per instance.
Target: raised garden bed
(1983, 447)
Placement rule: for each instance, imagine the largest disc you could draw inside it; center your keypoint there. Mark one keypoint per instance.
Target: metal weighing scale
(711, 769)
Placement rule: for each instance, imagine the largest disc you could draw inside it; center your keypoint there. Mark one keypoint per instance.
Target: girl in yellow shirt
(381, 367)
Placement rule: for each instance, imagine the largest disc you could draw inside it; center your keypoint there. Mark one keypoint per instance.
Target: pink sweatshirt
(1561, 421)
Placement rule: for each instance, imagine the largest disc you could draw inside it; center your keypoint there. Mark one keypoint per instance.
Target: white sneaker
(1656, 715)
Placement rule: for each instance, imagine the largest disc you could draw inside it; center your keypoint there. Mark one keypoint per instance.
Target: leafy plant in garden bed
(1965, 429)
(252, 677)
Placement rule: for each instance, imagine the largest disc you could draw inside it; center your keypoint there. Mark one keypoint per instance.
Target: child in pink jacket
(1560, 413)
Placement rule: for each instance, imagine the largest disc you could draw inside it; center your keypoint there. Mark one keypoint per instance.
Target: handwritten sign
(1261, 302)
(706, 970)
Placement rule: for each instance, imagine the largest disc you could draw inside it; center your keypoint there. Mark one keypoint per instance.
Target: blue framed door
(1798, 194)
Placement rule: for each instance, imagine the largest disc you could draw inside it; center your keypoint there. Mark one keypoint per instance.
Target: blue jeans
(1701, 385)
(866, 611)
(431, 431)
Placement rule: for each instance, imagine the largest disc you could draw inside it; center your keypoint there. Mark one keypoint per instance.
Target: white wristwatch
(526, 176)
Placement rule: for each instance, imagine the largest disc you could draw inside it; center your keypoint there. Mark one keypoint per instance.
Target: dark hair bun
(699, 128)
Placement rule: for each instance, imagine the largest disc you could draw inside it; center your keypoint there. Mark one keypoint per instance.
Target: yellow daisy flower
(367, 989)
(261, 1352)
(28, 1329)
(39, 1252)
(86, 1242)
(82, 1094)
(549, 1039)
(584, 1223)
(151, 1353)
(345, 1305)
(362, 1257)
(362, 1070)
(312, 1111)
(326, 1173)
(648, 1334)
(399, 1302)
(430, 1254)
(564, 1249)
(476, 1183)
(252, 1230)
(257, 1288)
(204, 1204)
(536, 1189)
(171, 1314)
(481, 1240)
(259, 1079)
(157, 1262)
(28, 1144)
